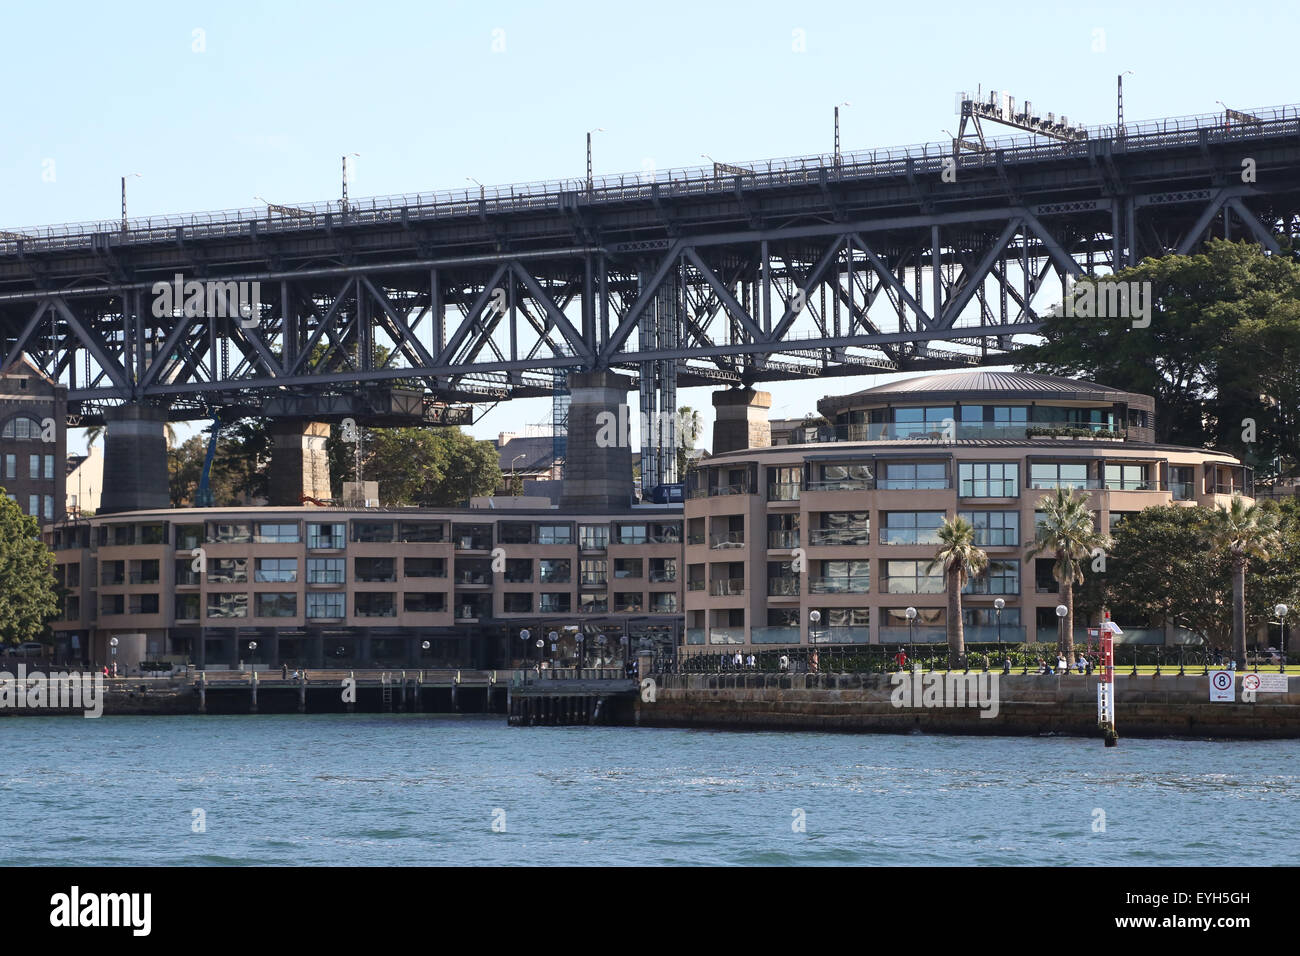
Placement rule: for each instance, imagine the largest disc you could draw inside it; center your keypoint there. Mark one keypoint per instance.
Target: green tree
(1215, 316)
(28, 592)
(1243, 532)
(428, 467)
(1160, 568)
(240, 468)
(1066, 532)
(960, 560)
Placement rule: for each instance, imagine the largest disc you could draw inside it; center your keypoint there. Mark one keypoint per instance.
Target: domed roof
(984, 384)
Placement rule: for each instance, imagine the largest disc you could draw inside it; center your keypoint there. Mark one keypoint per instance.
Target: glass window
(843, 577)
(47, 507)
(627, 568)
(375, 569)
(372, 532)
(227, 571)
(596, 603)
(907, 476)
(554, 570)
(627, 602)
(11, 466)
(514, 532)
(519, 570)
(325, 571)
(34, 505)
(556, 534)
(1126, 477)
(517, 602)
(988, 479)
(277, 534)
(1001, 577)
(376, 604)
(472, 537)
(325, 604)
(276, 570)
(994, 528)
(424, 602)
(34, 466)
(549, 603)
(422, 532)
(594, 571)
(49, 467)
(277, 605)
(911, 527)
(26, 429)
(632, 534)
(326, 536)
(1054, 475)
(227, 605)
(229, 533)
(910, 577)
(187, 607)
(425, 567)
(593, 537)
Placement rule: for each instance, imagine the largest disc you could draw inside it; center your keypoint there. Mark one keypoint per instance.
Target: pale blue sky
(281, 90)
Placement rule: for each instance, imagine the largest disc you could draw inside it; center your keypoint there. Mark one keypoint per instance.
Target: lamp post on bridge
(590, 181)
(124, 179)
(911, 627)
(998, 605)
(1119, 103)
(345, 180)
(837, 132)
(113, 645)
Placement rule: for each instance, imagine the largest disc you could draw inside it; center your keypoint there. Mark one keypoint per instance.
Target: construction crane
(203, 496)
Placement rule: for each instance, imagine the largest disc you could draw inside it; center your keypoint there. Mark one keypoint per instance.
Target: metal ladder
(387, 685)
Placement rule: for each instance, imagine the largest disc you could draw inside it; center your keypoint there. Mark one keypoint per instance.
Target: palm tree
(689, 426)
(961, 560)
(1243, 532)
(1066, 531)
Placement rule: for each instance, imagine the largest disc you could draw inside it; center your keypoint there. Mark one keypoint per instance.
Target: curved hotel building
(842, 519)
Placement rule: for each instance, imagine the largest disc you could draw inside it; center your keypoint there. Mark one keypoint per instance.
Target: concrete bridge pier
(135, 459)
(300, 466)
(598, 469)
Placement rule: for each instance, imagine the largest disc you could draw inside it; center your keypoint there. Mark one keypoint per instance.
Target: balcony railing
(839, 585)
(741, 489)
(727, 587)
(783, 539)
(695, 538)
(839, 635)
(1182, 490)
(783, 491)
(774, 635)
(820, 537)
(988, 633)
(665, 607)
(662, 577)
(726, 540)
(695, 635)
(913, 484)
(909, 536)
(697, 585)
(842, 484)
(917, 634)
(783, 587)
(726, 635)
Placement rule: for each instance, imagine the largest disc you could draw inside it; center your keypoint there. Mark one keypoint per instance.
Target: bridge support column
(741, 420)
(598, 464)
(135, 459)
(299, 464)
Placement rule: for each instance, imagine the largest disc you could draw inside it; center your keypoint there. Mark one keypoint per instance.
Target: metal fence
(1202, 129)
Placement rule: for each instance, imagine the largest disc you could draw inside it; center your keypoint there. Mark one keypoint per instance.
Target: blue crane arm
(203, 495)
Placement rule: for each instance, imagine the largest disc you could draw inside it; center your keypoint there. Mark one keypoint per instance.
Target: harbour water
(386, 790)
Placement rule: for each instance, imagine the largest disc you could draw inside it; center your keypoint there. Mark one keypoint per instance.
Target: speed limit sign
(1223, 686)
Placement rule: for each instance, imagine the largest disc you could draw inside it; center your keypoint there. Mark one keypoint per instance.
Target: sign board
(1223, 686)
(1265, 683)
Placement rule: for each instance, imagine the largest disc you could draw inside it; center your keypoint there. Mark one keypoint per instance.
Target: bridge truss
(883, 261)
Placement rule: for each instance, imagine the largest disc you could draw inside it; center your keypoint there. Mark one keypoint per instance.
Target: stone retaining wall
(1027, 705)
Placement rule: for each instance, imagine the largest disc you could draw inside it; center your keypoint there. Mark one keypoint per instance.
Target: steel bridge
(921, 257)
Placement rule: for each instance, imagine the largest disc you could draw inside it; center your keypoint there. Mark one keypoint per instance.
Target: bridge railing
(921, 158)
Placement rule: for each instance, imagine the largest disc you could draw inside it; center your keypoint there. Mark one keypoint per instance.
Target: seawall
(1146, 706)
